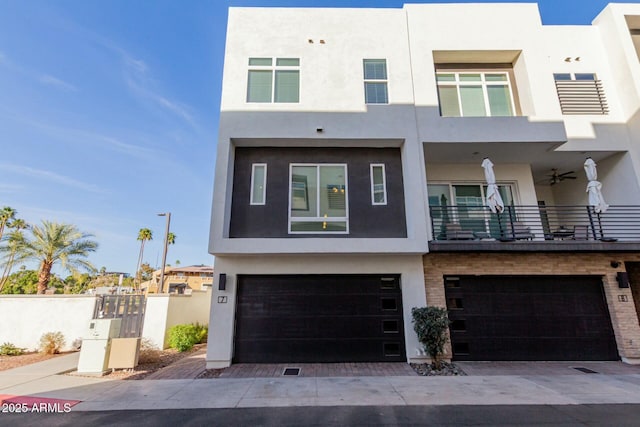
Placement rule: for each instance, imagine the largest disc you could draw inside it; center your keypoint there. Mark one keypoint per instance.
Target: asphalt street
(460, 415)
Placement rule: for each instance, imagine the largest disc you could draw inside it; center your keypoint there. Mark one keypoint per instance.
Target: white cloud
(140, 83)
(50, 176)
(42, 78)
(55, 82)
(74, 135)
(137, 75)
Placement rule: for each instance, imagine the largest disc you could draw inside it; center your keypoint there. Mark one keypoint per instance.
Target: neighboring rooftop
(191, 269)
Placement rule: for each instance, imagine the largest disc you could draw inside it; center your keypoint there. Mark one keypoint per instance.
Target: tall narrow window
(258, 183)
(318, 198)
(375, 81)
(378, 185)
(475, 94)
(273, 83)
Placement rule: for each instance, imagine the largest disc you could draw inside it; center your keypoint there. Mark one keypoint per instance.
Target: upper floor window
(258, 183)
(375, 81)
(580, 93)
(378, 185)
(318, 198)
(475, 94)
(271, 81)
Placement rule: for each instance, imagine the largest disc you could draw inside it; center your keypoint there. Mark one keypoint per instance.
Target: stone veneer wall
(623, 313)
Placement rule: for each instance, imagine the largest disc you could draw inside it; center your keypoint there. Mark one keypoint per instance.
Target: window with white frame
(580, 94)
(466, 204)
(469, 194)
(273, 80)
(318, 199)
(378, 184)
(375, 81)
(475, 94)
(258, 183)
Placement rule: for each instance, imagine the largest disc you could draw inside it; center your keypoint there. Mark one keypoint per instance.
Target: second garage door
(529, 318)
(319, 318)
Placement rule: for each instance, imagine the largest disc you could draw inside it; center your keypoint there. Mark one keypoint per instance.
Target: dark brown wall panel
(270, 220)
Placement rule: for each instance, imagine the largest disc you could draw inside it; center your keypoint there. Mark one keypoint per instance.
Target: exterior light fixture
(623, 279)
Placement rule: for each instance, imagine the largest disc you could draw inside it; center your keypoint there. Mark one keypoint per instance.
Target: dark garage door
(319, 318)
(529, 318)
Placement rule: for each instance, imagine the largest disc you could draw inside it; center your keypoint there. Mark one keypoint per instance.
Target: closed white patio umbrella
(494, 200)
(594, 187)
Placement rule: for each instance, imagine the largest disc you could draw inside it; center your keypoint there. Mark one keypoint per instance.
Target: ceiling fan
(556, 177)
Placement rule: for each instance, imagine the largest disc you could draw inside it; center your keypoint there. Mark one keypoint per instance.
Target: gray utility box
(96, 345)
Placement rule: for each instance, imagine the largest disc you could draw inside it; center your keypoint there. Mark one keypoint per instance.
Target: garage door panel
(318, 327)
(345, 318)
(530, 318)
(538, 349)
(505, 326)
(316, 351)
(329, 285)
(292, 304)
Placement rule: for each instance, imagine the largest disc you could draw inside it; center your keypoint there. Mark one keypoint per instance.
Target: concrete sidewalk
(95, 394)
(46, 379)
(35, 371)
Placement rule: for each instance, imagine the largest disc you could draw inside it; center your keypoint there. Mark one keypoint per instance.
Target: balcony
(534, 229)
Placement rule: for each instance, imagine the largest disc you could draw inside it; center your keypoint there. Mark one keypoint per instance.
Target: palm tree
(7, 214)
(18, 224)
(56, 242)
(14, 240)
(143, 235)
(171, 238)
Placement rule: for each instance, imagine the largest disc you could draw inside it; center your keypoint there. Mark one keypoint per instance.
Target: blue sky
(109, 114)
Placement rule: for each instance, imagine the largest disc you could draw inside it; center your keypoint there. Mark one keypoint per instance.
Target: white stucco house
(349, 187)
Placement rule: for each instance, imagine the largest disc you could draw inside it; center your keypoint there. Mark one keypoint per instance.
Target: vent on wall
(581, 94)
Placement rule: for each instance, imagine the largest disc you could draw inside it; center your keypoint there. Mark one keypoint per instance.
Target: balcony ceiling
(542, 156)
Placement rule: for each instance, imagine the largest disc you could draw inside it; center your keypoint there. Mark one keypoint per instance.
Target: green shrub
(8, 349)
(430, 324)
(183, 337)
(202, 332)
(51, 342)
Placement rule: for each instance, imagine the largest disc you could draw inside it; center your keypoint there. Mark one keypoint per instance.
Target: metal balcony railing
(618, 223)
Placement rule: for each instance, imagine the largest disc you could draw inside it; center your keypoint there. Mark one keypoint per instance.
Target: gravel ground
(446, 369)
(10, 362)
(149, 363)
